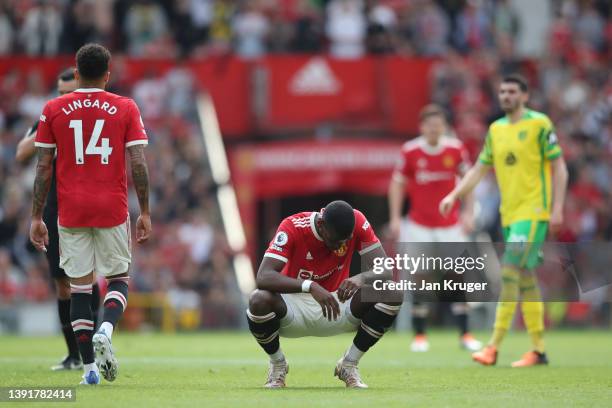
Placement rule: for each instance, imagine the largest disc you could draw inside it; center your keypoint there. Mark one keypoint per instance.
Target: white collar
(89, 90)
(313, 216)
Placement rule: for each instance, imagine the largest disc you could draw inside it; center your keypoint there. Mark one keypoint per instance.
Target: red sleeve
(44, 135)
(464, 160)
(364, 233)
(135, 133)
(282, 245)
(402, 167)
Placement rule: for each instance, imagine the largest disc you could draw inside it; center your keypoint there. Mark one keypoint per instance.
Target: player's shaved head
(92, 61)
(339, 219)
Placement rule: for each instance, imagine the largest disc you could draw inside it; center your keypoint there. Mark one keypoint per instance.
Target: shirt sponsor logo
(424, 176)
(305, 274)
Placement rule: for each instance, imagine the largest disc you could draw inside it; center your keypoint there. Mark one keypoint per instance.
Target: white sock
(277, 357)
(107, 327)
(353, 354)
(90, 367)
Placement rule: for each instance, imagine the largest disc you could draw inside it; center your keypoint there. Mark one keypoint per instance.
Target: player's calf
(115, 303)
(264, 324)
(83, 325)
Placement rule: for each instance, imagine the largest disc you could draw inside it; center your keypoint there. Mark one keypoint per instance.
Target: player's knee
(394, 298)
(261, 302)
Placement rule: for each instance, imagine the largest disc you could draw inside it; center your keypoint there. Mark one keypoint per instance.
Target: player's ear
(107, 77)
(77, 76)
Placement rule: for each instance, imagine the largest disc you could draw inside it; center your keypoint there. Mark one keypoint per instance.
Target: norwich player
(522, 148)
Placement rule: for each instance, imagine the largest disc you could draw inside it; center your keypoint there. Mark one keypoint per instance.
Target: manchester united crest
(448, 161)
(342, 250)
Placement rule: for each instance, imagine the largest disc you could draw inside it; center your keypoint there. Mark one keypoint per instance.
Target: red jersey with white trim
(431, 173)
(298, 243)
(90, 129)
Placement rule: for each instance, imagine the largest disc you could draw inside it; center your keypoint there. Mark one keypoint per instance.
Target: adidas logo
(315, 78)
(308, 256)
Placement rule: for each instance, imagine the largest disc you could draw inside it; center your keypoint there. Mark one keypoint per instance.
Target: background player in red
(431, 165)
(304, 288)
(91, 129)
(66, 83)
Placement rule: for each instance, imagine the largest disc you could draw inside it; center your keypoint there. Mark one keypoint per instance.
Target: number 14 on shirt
(104, 150)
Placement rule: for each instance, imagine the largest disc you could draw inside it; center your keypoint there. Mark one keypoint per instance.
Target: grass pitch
(228, 369)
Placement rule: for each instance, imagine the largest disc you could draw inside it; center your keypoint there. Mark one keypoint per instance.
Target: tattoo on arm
(42, 182)
(140, 176)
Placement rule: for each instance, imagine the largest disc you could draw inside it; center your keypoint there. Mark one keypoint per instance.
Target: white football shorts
(105, 250)
(305, 318)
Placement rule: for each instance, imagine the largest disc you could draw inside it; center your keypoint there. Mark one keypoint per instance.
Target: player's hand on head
(39, 236)
(143, 228)
(447, 204)
(349, 287)
(329, 304)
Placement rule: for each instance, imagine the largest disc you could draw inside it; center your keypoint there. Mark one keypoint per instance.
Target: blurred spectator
(250, 29)
(41, 29)
(79, 26)
(146, 23)
(9, 278)
(473, 27)
(33, 100)
(6, 33)
(382, 24)
(346, 28)
(220, 27)
(430, 28)
(150, 95)
(590, 25)
(198, 235)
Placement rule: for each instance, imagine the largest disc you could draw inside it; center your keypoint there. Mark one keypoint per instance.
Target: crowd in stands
(251, 28)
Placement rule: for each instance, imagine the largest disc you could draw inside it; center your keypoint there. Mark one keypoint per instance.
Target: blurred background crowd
(564, 47)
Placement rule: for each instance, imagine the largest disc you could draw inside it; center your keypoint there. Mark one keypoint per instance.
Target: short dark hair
(66, 75)
(432, 110)
(92, 61)
(518, 79)
(339, 218)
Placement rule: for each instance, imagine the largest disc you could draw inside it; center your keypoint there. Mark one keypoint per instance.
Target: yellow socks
(506, 305)
(533, 310)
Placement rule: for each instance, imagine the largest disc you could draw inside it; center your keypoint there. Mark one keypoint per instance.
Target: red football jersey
(431, 173)
(91, 129)
(299, 245)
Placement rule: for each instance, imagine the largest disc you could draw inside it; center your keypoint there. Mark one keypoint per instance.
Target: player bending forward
(304, 288)
(91, 129)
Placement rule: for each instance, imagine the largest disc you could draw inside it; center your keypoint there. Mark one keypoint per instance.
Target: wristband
(306, 285)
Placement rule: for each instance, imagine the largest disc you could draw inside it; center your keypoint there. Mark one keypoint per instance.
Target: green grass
(228, 369)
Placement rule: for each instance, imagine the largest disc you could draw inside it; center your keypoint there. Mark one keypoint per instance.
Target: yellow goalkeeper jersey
(521, 153)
